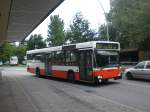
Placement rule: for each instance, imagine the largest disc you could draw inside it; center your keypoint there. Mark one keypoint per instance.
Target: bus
(94, 61)
(13, 60)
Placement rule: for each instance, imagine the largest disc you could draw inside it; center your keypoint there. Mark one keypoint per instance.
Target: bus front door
(85, 65)
(48, 70)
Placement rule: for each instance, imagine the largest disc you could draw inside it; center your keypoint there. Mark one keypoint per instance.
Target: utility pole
(107, 30)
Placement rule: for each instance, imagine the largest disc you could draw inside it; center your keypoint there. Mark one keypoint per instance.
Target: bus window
(68, 57)
(106, 58)
(38, 58)
(49, 57)
(57, 58)
(29, 56)
(71, 58)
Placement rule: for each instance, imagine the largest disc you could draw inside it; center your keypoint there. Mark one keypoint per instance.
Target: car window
(140, 65)
(148, 65)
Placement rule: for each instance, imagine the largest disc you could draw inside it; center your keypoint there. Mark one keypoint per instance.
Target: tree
(21, 52)
(79, 30)
(35, 42)
(131, 19)
(6, 50)
(56, 35)
(145, 44)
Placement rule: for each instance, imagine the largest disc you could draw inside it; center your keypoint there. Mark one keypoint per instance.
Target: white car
(141, 70)
(1, 63)
(13, 60)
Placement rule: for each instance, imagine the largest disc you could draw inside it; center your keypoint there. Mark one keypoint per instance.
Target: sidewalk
(12, 98)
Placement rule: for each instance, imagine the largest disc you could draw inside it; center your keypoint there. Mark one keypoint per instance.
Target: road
(22, 92)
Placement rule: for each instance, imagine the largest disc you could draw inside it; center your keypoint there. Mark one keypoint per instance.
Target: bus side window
(29, 57)
(71, 58)
(53, 57)
(67, 57)
(57, 58)
(50, 57)
(63, 58)
(39, 58)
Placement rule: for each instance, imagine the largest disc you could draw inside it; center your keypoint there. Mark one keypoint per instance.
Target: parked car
(13, 60)
(141, 70)
(6, 63)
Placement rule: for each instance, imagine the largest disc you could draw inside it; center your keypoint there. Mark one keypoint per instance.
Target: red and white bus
(94, 61)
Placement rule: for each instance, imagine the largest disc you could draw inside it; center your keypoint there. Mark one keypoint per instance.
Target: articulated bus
(94, 61)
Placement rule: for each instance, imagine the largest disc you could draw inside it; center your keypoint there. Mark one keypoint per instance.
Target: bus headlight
(99, 77)
(120, 74)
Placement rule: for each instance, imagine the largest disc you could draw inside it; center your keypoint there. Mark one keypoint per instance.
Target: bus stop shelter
(18, 18)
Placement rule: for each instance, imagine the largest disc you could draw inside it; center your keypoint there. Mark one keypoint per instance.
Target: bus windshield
(106, 58)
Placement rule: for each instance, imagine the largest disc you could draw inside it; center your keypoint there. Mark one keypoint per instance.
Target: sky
(90, 9)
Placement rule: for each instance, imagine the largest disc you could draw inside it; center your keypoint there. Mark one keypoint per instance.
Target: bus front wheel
(96, 81)
(105, 81)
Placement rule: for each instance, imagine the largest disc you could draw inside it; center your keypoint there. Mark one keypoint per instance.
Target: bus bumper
(118, 77)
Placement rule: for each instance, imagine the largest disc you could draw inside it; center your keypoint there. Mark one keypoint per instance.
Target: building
(132, 56)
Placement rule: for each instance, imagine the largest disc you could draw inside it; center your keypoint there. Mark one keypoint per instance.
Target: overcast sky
(90, 9)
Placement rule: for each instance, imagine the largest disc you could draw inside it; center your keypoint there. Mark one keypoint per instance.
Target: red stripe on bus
(55, 73)
(63, 74)
(109, 73)
(42, 72)
(31, 70)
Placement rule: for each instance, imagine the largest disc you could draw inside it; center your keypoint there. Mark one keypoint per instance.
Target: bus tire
(105, 81)
(129, 76)
(37, 72)
(96, 81)
(71, 76)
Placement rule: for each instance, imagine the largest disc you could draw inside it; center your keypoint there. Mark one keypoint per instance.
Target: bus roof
(44, 50)
(84, 45)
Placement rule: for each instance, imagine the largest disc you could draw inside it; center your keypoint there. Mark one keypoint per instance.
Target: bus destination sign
(107, 46)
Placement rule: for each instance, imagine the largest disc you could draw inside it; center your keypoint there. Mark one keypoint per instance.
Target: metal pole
(107, 30)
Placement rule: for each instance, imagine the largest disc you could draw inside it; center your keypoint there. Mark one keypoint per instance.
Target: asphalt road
(22, 92)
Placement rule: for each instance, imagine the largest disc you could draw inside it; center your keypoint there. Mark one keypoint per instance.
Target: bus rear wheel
(37, 72)
(71, 77)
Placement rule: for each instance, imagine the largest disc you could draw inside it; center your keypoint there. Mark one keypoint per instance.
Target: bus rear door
(85, 65)
(48, 66)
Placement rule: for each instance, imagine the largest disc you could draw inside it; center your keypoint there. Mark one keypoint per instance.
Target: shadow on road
(109, 83)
